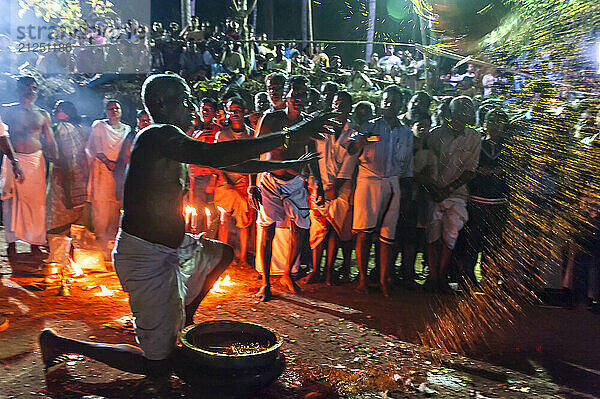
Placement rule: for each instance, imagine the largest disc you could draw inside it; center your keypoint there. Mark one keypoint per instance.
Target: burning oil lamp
(191, 218)
(208, 217)
(222, 217)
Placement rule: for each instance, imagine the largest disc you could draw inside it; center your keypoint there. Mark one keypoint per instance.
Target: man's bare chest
(23, 121)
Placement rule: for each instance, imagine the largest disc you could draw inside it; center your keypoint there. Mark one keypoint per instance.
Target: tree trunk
(304, 19)
(186, 13)
(371, 29)
(310, 24)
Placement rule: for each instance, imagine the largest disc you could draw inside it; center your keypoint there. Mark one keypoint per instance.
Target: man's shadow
(61, 384)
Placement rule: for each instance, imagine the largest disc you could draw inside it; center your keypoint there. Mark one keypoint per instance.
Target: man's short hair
(359, 63)
(293, 81)
(463, 101)
(113, 101)
(330, 84)
(394, 90)
(423, 93)
(237, 100)
(155, 86)
(275, 77)
(345, 94)
(210, 101)
(498, 115)
(365, 104)
(24, 80)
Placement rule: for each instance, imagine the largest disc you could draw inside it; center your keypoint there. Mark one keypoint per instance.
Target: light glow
(104, 291)
(220, 283)
(77, 271)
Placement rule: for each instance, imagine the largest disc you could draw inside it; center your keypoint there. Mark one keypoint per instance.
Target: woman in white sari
(103, 148)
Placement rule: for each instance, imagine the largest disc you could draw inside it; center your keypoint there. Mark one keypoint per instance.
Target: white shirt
(487, 81)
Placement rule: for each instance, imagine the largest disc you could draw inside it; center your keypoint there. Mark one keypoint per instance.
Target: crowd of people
(202, 51)
(86, 178)
(450, 171)
(409, 177)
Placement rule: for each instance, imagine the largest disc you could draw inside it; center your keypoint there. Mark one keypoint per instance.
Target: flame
(190, 210)
(77, 271)
(223, 212)
(207, 212)
(220, 283)
(104, 291)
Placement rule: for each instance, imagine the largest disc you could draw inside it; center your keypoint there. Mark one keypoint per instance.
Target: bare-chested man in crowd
(153, 257)
(24, 202)
(281, 196)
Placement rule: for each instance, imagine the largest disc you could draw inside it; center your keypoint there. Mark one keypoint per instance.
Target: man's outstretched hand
(299, 164)
(313, 127)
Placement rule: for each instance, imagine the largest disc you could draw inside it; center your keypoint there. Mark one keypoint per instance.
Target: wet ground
(336, 343)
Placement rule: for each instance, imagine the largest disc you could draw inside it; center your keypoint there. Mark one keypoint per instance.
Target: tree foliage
(70, 15)
(561, 27)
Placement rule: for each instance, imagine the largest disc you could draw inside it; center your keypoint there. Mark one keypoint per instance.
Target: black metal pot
(234, 375)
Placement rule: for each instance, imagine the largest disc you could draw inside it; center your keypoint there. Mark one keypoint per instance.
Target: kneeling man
(166, 272)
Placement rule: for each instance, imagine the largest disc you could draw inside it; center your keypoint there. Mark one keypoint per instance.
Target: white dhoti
(24, 204)
(160, 281)
(377, 206)
(447, 219)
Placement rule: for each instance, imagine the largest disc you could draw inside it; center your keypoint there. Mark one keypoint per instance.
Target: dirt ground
(336, 343)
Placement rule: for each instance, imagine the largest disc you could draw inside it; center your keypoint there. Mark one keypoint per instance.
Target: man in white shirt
(385, 165)
(457, 147)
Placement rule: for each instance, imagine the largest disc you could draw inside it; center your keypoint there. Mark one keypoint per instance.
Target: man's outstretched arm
(258, 166)
(174, 144)
(179, 147)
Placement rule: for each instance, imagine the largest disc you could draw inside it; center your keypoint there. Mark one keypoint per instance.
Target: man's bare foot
(50, 354)
(264, 294)
(332, 278)
(290, 284)
(244, 265)
(362, 288)
(386, 290)
(314, 277)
